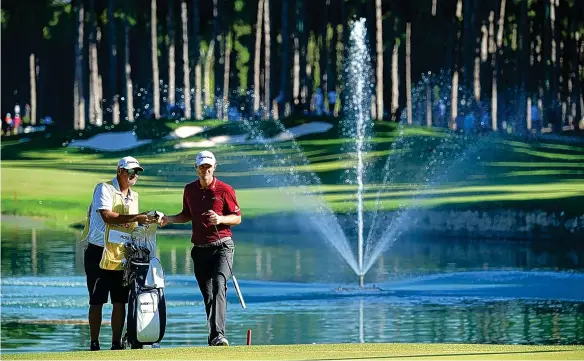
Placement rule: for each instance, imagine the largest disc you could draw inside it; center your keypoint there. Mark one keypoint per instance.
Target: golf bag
(146, 320)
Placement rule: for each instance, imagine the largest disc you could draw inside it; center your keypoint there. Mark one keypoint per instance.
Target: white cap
(205, 157)
(129, 163)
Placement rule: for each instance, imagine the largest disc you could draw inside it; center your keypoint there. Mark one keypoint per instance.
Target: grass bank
(326, 352)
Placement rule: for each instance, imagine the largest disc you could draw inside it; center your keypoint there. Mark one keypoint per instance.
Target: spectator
(17, 123)
(7, 124)
(441, 114)
(26, 116)
(332, 99)
(535, 117)
(319, 101)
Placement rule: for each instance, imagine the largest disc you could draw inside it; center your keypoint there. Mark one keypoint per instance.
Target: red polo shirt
(220, 197)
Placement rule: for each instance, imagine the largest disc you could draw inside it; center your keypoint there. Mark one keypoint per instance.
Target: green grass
(46, 180)
(326, 352)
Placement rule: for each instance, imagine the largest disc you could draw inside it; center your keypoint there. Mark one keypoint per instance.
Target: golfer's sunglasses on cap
(131, 171)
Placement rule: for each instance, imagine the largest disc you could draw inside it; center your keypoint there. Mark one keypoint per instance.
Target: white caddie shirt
(102, 199)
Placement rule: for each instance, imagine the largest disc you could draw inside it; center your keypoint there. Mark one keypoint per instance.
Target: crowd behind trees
(448, 63)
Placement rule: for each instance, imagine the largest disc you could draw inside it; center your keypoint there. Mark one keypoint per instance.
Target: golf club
(235, 284)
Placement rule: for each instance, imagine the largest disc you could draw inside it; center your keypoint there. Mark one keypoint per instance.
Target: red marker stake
(248, 337)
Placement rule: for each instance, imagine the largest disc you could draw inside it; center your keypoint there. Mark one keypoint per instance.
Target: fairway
(388, 351)
(411, 166)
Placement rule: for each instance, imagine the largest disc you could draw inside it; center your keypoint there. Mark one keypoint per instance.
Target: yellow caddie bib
(118, 234)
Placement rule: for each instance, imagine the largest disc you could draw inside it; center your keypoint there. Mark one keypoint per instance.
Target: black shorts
(100, 282)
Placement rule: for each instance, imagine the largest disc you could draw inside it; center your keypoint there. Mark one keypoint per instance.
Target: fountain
(357, 120)
(288, 169)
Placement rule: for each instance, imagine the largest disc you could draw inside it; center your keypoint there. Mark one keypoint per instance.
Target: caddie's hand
(214, 218)
(143, 218)
(163, 221)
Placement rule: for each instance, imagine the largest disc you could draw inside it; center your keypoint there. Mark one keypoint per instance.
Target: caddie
(111, 217)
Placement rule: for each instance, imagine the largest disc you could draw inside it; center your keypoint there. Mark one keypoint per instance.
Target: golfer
(211, 207)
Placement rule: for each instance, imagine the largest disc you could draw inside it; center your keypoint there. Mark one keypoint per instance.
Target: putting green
(387, 351)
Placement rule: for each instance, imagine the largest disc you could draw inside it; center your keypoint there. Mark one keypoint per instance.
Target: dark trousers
(212, 270)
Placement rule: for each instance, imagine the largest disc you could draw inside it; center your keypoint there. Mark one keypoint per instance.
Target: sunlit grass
(58, 183)
(377, 351)
(550, 155)
(533, 165)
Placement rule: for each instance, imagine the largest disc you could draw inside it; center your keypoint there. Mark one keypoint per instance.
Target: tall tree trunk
(555, 34)
(408, 73)
(95, 113)
(494, 74)
(78, 91)
(576, 84)
(296, 67)
(395, 81)
(197, 60)
(208, 64)
(501, 24)
(301, 25)
(33, 88)
(338, 72)
(546, 59)
(471, 43)
(331, 70)
(154, 53)
(311, 60)
(323, 63)
(186, 67)
(456, 65)
(257, 58)
(227, 17)
(113, 64)
(379, 62)
(128, 72)
(284, 95)
(171, 54)
(523, 64)
(100, 97)
(267, 57)
(296, 70)
(226, 72)
(219, 57)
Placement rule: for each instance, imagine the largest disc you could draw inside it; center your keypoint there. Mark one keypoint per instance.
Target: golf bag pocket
(146, 316)
(140, 271)
(155, 275)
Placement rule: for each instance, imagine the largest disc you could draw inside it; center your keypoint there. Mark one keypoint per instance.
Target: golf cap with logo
(205, 157)
(129, 163)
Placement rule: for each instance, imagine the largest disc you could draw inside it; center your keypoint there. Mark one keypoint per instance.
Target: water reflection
(46, 252)
(432, 291)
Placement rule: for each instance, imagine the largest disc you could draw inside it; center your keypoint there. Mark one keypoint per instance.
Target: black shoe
(117, 347)
(220, 340)
(94, 346)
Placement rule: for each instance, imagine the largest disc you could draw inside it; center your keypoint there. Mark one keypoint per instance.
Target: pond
(299, 290)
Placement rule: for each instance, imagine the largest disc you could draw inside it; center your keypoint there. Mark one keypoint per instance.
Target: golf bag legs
(126, 344)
